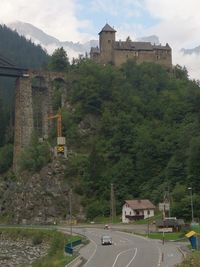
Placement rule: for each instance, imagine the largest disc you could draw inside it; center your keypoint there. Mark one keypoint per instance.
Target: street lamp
(191, 200)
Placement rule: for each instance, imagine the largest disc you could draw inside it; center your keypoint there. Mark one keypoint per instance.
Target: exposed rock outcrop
(41, 198)
(20, 252)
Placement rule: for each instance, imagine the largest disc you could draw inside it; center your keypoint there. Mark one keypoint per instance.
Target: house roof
(107, 28)
(139, 204)
(136, 46)
(170, 223)
(161, 47)
(133, 45)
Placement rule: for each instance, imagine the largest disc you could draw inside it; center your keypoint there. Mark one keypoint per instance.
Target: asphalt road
(128, 250)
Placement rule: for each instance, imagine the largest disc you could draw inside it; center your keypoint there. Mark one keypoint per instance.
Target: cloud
(57, 18)
(191, 62)
(179, 25)
(178, 20)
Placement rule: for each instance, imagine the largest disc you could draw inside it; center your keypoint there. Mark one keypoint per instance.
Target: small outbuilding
(137, 209)
(170, 224)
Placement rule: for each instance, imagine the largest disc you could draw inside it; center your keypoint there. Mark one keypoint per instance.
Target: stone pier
(33, 105)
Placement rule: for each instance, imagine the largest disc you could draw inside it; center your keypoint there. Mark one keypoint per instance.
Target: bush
(36, 240)
(6, 157)
(34, 157)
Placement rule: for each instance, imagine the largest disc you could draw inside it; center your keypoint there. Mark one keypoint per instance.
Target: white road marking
(122, 252)
(160, 257)
(92, 253)
(132, 258)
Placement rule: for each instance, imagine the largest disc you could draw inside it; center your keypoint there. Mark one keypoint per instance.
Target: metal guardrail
(69, 247)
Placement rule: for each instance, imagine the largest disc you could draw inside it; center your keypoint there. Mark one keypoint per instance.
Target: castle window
(109, 41)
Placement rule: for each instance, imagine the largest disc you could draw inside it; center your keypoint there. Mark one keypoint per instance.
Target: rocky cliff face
(41, 198)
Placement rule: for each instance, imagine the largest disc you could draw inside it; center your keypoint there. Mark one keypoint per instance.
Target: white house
(137, 209)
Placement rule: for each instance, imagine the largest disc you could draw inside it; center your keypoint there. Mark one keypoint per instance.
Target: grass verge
(191, 261)
(167, 236)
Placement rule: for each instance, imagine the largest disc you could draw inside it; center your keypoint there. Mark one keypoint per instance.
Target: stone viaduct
(33, 105)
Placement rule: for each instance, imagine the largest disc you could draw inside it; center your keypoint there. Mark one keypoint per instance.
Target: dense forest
(20, 51)
(136, 127)
(140, 132)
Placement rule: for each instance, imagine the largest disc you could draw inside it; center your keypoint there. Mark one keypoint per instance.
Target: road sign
(60, 149)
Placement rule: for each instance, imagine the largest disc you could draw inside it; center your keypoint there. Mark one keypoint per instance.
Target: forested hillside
(138, 128)
(20, 51)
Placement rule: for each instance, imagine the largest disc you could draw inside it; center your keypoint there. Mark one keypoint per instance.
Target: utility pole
(191, 202)
(112, 206)
(148, 223)
(166, 202)
(70, 213)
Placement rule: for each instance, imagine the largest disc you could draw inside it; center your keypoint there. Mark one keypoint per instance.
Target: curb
(76, 262)
(182, 252)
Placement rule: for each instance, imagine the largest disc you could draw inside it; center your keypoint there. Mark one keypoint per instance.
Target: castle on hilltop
(118, 52)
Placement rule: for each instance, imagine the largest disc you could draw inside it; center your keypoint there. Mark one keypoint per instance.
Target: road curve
(128, 250)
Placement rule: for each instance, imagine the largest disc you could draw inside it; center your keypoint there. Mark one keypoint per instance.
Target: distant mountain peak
(27, 29)
(153, 39)
(195, 50)
(49, 42)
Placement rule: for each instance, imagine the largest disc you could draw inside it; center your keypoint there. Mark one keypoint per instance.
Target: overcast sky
(174, 21)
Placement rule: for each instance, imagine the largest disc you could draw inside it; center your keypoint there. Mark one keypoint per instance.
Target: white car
(106, 240)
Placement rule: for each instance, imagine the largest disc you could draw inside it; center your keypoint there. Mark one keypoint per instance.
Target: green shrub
(36, 240)
(6, 157)
(35, 156)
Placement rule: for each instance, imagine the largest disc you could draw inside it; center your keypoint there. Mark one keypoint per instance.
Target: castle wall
(164, 58)
(121, 56)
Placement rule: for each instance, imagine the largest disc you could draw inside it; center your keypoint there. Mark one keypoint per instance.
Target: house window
(130, 212)
(148, 212)
(137, 212)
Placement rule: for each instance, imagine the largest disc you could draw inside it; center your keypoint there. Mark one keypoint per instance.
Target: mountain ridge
(49, 42)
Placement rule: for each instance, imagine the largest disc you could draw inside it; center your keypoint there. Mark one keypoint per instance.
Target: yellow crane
(59, 123)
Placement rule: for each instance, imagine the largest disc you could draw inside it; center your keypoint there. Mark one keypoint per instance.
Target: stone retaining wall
(20, 252)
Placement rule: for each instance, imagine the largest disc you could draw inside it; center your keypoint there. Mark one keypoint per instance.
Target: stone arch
(33, 105)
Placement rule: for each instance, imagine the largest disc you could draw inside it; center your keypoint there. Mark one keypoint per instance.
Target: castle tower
(106, 42)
